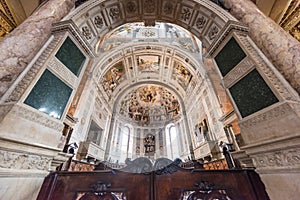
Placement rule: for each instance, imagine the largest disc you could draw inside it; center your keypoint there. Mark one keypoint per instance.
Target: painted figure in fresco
(148, 63)
(182, 75)
(113, 77)
(149, 104)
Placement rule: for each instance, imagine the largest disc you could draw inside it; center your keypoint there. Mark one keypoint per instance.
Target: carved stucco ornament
(201, 21)
(86, 32)
(98, 21)
(131, 7)
(149, 6)
(168, 8)
(186, 14)
(114, 13)
(15, 160)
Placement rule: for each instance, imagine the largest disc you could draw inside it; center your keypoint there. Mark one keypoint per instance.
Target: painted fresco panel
(113, 77)
(182, 75)
(148, 63)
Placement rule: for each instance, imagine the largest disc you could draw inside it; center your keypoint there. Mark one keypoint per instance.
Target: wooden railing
(169, 182)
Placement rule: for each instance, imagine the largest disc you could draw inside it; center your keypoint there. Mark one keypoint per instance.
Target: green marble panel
(49, 95)
(252, 94)
(71, 56)
(229, 56)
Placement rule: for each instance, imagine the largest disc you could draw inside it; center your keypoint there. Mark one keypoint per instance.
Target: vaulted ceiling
(284, 12)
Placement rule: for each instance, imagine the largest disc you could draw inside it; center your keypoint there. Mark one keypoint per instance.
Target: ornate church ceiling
(285, 13)
(150, 104)
(137, 32)
(136, 82)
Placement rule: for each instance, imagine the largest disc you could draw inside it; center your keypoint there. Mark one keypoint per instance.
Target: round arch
(205, 19)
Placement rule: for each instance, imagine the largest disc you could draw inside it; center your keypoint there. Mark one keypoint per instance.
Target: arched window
(126, 143)
(172, 142)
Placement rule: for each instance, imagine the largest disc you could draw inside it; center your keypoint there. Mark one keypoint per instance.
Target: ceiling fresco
(182, 75)
(113, 77)
(150, 104)
(148, 63)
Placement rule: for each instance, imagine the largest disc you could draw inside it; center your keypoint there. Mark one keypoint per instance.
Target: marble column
(20, 46)
(280, 47)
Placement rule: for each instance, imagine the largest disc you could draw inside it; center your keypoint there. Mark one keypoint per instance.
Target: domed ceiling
(149, 104)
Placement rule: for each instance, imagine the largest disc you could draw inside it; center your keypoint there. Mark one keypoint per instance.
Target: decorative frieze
(62, 71)
(24, 161)
(37, 116)
(241, 69)
(280, 111)
(278, 159)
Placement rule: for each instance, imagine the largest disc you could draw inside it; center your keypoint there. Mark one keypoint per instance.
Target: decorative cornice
(286, 158)
(277, 112)
(241, 69)
(15, 160)
(231, 26)
(71, 27)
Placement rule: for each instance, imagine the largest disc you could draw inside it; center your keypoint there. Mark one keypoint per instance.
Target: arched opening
(96, 87)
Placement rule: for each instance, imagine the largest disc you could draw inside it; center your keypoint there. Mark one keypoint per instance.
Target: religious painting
(113, 77)
(149, 104)
(148, 63)
(182, 75)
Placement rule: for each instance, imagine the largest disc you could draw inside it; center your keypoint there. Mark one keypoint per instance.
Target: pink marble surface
(21, 45)
(279, 46)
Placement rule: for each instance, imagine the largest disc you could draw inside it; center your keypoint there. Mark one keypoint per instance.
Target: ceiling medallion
(148, 33)
(86, 32)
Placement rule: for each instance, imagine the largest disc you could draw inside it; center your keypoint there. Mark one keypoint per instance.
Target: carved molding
(62, 71)
(262, 64)
(31, 74)
(241, 69)
(277, 112)
(37, 117)
(15, 160)
(281, 158)
(230, 27)
(184, 13)
(68, 25)
(4, 109)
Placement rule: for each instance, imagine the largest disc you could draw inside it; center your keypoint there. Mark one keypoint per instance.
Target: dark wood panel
(168, 183)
